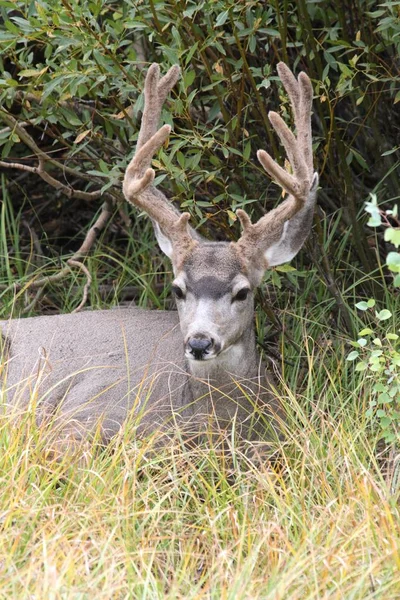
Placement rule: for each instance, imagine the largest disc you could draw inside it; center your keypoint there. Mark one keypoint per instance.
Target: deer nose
(199, 346)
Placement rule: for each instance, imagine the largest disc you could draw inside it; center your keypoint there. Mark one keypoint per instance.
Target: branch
(41, 171)
(74, 261)
(29, 141)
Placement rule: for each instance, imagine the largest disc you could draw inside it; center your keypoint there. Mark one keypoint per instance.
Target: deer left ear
(295, 231)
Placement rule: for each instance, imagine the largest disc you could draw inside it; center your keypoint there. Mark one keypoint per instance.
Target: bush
(72, 75)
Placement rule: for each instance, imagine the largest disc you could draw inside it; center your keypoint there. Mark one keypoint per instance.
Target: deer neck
(239, 361)
(228, 387)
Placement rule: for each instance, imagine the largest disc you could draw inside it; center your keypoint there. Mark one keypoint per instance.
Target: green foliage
(378, 353)
(378, 356)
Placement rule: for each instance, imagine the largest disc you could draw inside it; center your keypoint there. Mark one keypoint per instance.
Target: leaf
(361, 366)
(362, 342)
(383, 315)
(189, 77)
(393, 261)
(392, 336)
(379, 387)
(362, 305)
(81, 136)
(384, 398)
(353, 355)
(222, 17)
(391, 151)
(32, 72)
(366, 331)
(286, 268)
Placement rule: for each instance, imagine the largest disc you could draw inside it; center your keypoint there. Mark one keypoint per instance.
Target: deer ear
(163, 241)
(294, 232)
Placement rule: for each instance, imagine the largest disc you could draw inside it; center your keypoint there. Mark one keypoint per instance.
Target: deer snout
(199, 346)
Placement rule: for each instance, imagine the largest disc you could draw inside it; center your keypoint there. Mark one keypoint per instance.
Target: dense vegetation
(326, 523)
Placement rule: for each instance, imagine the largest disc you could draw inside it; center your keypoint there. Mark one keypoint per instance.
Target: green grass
(134, 522)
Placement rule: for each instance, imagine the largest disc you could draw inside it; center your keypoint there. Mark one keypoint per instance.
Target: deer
(195, 369)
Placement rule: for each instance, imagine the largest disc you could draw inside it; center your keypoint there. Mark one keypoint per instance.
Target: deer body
(197, 368)
(99, 366)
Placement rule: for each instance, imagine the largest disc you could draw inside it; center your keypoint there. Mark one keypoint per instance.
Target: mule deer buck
(196, 369)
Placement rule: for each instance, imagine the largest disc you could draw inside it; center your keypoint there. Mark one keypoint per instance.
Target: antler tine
(304, 133)
(269, 232)
(139, 175)
(298, 149)
(155, 93)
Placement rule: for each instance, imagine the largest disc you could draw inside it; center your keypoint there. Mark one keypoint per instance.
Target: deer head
(215, 281)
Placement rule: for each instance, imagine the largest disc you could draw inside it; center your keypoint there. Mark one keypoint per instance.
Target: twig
(74, 261)
(40, 170)
(29, 141)
(77, 263)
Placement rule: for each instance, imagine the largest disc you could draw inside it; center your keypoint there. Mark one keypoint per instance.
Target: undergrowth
(321, 522)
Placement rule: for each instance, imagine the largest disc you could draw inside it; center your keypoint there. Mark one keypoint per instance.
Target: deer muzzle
(201, 347)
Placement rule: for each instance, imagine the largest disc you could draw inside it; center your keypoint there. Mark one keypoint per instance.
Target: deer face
(214, 299)
(214, 281)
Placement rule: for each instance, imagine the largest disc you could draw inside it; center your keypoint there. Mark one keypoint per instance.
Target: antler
(139, 176)
(269, 231)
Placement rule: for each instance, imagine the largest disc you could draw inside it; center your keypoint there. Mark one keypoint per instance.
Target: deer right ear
(163, 241)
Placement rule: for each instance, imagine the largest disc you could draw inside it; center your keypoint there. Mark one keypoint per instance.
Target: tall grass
(321, 522)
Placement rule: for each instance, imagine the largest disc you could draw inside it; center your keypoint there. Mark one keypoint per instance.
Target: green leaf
(361, 366)
(391, 151)
(276, 279)
(362, 342)
(32, 72)
(393, 261)
(366, 331)
(392, 235)
(362, 305)
(286, 268)
(365, 305)
(222, 17)
(392, 336)
(386, 421)
(384, 398)
(189, 77)
(383, 315)
(353, 355)
(379, 387)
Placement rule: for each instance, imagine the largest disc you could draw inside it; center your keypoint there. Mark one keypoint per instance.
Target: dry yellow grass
(194, 524)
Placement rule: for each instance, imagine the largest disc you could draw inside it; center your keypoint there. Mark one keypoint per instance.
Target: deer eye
(178, 292)
(241, 295)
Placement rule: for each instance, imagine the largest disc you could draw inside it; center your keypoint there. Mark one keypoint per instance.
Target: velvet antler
(270, 231)
(139, 175)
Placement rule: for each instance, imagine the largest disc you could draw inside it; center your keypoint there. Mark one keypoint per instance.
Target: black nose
(199, 347)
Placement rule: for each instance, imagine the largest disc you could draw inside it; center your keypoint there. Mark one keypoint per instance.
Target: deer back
(93, 367)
